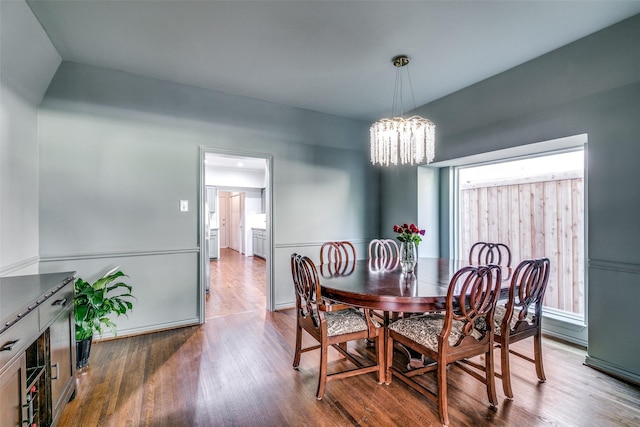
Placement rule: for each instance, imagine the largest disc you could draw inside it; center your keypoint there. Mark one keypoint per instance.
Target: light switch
(184, 205)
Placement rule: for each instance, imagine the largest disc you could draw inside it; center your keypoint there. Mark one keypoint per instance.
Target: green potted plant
(93, 304)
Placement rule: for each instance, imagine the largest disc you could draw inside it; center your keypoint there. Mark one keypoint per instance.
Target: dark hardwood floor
(236, 370)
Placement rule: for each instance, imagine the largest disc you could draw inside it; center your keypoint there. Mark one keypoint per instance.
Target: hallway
(237, 285)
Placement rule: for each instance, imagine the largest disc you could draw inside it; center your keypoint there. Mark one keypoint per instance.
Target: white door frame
(270, 291)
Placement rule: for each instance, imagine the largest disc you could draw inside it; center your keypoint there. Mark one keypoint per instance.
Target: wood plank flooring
(235, 370)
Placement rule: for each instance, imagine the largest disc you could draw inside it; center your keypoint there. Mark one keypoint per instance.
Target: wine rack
(38, 399)
(37, 349)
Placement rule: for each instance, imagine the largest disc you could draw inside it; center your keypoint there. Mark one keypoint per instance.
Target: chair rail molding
(601, 264)
(116, 254)
(20, 265)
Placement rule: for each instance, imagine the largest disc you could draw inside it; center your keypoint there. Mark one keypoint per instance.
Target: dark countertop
(21, 294)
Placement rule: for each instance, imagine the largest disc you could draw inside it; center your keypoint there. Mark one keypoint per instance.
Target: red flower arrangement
(409, 233)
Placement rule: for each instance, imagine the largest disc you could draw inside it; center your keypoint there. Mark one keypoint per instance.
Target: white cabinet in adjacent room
(213, 244)
(259, 238)
(211, 199)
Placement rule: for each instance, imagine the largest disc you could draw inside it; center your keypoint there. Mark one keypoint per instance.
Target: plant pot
(83, 349)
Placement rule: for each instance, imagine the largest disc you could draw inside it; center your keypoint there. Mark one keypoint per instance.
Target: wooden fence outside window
(536, 216)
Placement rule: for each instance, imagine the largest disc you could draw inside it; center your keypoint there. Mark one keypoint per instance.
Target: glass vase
(408, 257)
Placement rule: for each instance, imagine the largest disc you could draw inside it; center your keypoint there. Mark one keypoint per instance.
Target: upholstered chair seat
(346, 322)
(501, 310)
(425, 329)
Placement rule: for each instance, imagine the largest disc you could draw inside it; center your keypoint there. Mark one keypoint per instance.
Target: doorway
(240, 185)
(231, 218)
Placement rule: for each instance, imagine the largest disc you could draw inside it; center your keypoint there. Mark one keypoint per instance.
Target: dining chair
(383, 254)
(521, 317)
(340, 255)
(383, 248)
(331, 325)
(337, 252)
(484, 253)
(463, 330)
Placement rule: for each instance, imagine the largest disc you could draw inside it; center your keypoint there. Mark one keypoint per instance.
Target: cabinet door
(214, 239)
(260, 245)
(12, 386)
(211, 199)
(254, 243)
(62, 360)
(213, 245)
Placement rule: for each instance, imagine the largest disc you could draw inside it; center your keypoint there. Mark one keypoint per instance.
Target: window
(535, 205)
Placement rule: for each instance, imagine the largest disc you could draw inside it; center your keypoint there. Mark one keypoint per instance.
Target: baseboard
(613, 370)
(571, 332)
(126, 333)
(285, 305)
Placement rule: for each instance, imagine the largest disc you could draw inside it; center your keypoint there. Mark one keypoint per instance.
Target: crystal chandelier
(398, 140)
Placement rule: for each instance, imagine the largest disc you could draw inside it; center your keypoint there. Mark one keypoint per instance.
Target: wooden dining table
(380, 284)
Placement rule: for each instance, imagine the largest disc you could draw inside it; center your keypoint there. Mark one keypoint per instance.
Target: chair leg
(380, 357)
(537, 351)
(322, 380)
(490, 377)
(506, 370)
(296, 356)
(443, 406)
(388, 351)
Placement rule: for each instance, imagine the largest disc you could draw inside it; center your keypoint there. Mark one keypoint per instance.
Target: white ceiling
(234, 162)
(328, 56)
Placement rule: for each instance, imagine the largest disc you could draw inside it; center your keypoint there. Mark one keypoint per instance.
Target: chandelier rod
(400, 62)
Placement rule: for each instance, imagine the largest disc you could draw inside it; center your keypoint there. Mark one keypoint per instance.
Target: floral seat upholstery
(499, 316)
(426, 328)
(345, 322)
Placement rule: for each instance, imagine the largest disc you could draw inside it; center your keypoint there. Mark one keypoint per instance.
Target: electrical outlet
(184, 205)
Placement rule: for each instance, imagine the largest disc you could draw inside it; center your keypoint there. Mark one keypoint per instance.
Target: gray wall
(28, 61)
(118, 151)
(410, 195)
(590, 86)
(399, 191)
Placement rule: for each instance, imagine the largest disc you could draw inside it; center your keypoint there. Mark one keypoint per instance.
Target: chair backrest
(526, 293)
(485, 253)
(337, 252)
(307, 287)
(383, 248)
(471, 299)
(383, 254)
